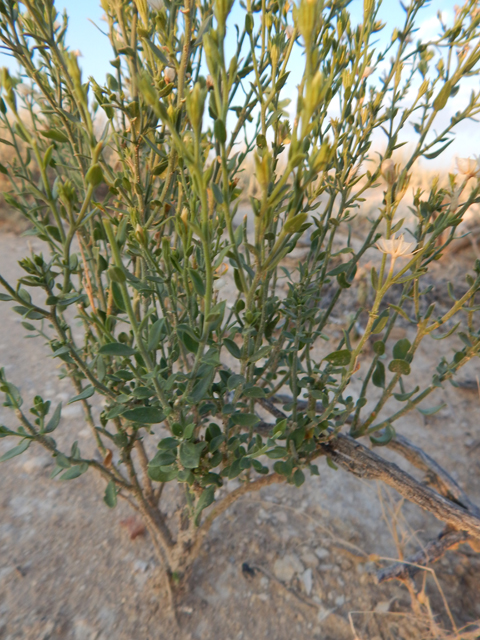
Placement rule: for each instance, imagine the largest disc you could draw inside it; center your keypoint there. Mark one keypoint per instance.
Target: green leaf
(435, 154)
(245, 419)
(342, 281)
(331, 464)
(5, 298)
(339, 358)
(432, 410)
(261, 353)
(298, 478)
(201, 388)
(86, 393)
(233, 348)
(379, 347)
(168, 444)
(378, 377)
(217, 193)
(197, 282)
(155, 333)
(400, 311)
(163, 458)
(162, 474)
(110, 497)
(145, 415)
(16, 451)
(383, 437)
(188, 340)
(158, 53)
(74, 472)
(220, 131)
(403, 397)
(399, 366)
(190, 454)
(254, 392)
(205, 500)
(3, 169)
(116, 349)
(54, 420)
(235, 381)
(380, 322)
(341, 268)
(294, 224)
(54, 134)
(401, 348)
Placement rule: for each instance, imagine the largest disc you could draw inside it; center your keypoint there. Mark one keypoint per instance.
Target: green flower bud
(196, 105)
(94, 175)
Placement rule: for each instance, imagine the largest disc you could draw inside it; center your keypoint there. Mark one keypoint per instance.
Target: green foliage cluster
(132, 185)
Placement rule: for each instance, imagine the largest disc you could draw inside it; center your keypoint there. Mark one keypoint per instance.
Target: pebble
(139, 566)
(322, 553)
(32, 465)
(307, 580)
(309, 559)
(285, 568)
(340, 600)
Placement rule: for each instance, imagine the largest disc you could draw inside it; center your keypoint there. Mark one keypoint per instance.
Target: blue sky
(96, 53)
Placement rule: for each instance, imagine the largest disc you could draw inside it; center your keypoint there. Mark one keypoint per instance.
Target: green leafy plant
(134, 187)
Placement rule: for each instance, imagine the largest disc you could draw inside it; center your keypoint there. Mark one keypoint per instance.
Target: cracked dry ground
(280, 564)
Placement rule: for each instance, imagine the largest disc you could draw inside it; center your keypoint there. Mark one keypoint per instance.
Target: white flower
(368, 72)
(395, 247)
(469, 167)
(169, 74)
(156, 4)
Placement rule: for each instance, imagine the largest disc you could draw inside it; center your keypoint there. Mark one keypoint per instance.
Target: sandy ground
(286, 563)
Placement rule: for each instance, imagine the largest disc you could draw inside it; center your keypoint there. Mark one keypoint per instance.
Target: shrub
(133, 187)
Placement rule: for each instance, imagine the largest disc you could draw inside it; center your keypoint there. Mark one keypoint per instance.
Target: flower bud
(140, 235)
(169, 75)
(389, 172)
(196, 105)
(210, 84)
(184, 216)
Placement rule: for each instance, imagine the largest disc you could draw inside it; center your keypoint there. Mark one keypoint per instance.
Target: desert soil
(286, 563)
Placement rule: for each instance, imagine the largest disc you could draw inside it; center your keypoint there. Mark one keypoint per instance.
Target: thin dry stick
(357, 459)
(432, 552)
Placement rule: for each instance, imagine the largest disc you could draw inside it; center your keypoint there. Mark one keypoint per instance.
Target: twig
(442, 481)
(357, 459)
(432, 552)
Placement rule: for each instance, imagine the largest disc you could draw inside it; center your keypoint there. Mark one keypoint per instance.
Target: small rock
(262, 514)
(322, 553)
(32, 465)
(281, 516)
(285, 568)
(326, 567)
(340, 601)
(307, 580)
(309, 559)
(383, 606)
(139, 566)
(85, 433)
